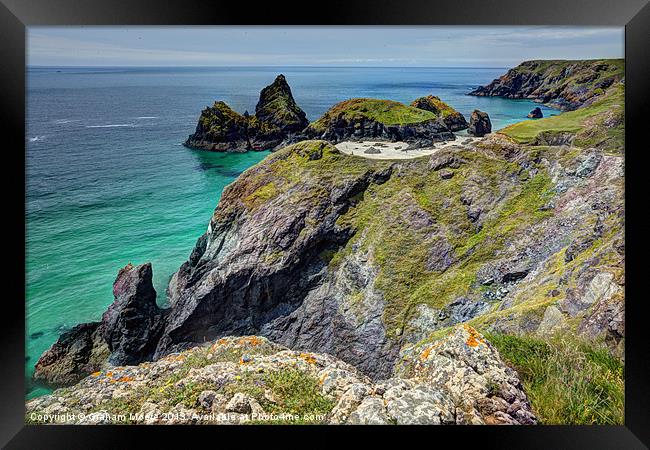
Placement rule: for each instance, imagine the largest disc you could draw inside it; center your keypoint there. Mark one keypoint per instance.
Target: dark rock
(446, 174)
(452, 118)
(372, 151)
(513, 277)
(73, 356)
(277, 107)
(277, 120)
(479, 124)
(133, 322)
(535, 113)
(443, 160)
(127, 334)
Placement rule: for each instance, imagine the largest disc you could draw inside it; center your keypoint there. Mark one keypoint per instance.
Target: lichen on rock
(239, 380)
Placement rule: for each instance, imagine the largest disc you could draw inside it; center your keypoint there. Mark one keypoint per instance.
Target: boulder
(479, 124)
(535, 113)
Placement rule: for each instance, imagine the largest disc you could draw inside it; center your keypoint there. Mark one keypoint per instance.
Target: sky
(423, 46)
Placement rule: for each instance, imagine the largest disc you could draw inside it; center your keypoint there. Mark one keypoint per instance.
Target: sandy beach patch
(397, 150)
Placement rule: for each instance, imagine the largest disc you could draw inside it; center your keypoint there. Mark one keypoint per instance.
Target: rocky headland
(566, 84)
(371, 266)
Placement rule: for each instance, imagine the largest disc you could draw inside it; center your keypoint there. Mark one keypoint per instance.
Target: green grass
(567, 381)
(384, 226)
(527, 131)
(387, 112)
(435, 105)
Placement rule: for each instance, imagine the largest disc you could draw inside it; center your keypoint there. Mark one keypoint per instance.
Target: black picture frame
(15, 15)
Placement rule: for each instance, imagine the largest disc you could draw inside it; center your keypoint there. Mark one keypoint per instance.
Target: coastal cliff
(566, 84)
(520, 235)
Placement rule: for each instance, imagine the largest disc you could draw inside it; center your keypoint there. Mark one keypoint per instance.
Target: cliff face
(323, 251)
(365, 118)
(277, 117)
(459, 380)
(369, 261)
(563, 83)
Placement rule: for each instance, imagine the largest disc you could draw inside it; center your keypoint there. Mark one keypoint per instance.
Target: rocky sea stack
(374, 119)
(479, 124)
(563, 83)
(535, 113)
(277, 117)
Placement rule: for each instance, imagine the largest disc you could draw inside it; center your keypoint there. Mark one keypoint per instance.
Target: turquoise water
(108, 182)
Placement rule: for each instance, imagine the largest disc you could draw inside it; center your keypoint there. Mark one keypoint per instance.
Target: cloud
(237, 46)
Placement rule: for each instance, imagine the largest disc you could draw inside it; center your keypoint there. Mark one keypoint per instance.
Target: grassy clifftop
(387, 112)
(599, 124)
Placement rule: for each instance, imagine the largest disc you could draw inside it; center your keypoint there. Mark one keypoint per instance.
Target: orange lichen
(222, 341)
(425, 354)
(96, 374)
(109, 374)
(474, 338)
(308, 358)
(250, 340)
(125, 379)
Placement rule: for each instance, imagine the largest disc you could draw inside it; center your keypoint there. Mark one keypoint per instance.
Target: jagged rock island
(361, 283)
(276, 119)
(374, 119)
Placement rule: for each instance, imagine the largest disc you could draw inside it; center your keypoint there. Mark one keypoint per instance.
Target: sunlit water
(108, 182)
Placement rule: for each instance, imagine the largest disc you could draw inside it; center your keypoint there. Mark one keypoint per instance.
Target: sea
(109, 183)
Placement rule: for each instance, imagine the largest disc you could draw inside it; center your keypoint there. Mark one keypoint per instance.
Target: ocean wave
(146, 117)
(36, 138)
(64, 121)
(116, 125)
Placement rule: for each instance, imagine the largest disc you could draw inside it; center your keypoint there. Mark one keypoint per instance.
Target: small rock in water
(535, 114)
